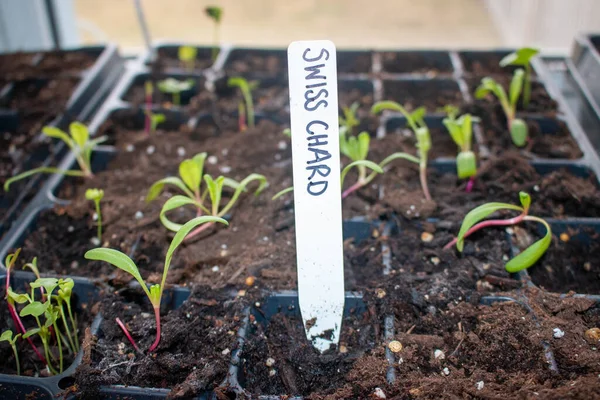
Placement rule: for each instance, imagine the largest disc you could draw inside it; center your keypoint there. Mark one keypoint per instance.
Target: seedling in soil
(52, 308)
(154, 292)
(417, 124)
(7, 336)
(461, 131)
(472, 224)
(187, 55)
(174, 87)
(96, 195)
(215, 13)
(516, 126)
(246, 88)
(155, 120)
(349, 120)
(191, 172)
(287, 132)
(522, 58)
(79, 143)
(149, 91)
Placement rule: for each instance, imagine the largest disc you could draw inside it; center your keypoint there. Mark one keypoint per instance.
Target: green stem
(74, 325)
(423, 178)
(48, 356)
(59, 341)
(14, 348)
(215, 49)
(70, 343)
(41, 170)
(99, 219)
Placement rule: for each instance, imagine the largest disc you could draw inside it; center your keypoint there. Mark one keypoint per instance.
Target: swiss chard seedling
(154, 120)
(187, 55)
(149, 92)
(174, 87)
(196, 187)
(96, 195)
(461, 131)
(79, 143)
(517, 127)
(246, 89)
(417, 124)
(215, 13)
(472, 224)
(49, 312)
(522, 58)
(154, 292)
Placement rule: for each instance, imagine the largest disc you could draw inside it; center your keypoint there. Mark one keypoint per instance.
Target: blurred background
(549, 24)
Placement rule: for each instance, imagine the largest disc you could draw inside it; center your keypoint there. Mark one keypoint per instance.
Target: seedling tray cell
(421, 62)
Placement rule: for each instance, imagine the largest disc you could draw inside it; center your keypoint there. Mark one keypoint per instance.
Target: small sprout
(461, 130)
(517, 127)
(96, 195)
(149, 90)
(154, 120)
(472, 224)
(522, 58)
(192, 177)
(215, 13)
(175, 87)
(187, 55)
(287, 132)
(246, 88)
(7, 336)
(154, 292)
(79, 143)
(349, 120)
(417, 123)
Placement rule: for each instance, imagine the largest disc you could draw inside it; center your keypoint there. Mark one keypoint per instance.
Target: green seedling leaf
(516, 86)
(155, 295)
(6, 336)
(40, 170)
(365, 163)
(120, 261)
(363, 145)
(18, 297)
(56, 133)
(525, 200)
(158, 186)
(172, 85)
(215, 189)
(520, 57)
(190, 174)
(397, 156)
(10, 259)
(187, 53)
(281, 193)
(214, 12)
(35, 309)
(31, 332)
(478, 214)
(80, 133)
(533, 253)
(65, 287)
(51, 316)
(47, 283)
(94, 194)
(519, 132)
(262, 184)
(466, 164)
(171, 204)
(33, 267)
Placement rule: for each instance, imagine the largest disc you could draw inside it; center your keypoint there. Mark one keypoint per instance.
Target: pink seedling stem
(157, 340)
(491, 222)
(470, 185)
(198, 231)
(423, 178)
(127, 334)
(352, 189)
(17, 320)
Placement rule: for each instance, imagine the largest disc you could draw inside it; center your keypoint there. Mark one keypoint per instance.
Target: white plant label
(317, 193)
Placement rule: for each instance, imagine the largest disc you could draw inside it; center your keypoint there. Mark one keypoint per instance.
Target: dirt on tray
(193, 354)
(433, 95)
(416, 62)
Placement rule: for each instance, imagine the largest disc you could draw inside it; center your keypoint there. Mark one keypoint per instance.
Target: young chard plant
(187, 55)
(215, 13)
(196, 187)
(522, 58)
(417, 124)
(248, 112)
(516, 126)
(49, 312)
(79, 143)
(154, 292)
(174, 87)
(7, 336)
(472, 224)
(154, 120)
(96, 195)
(461, 131)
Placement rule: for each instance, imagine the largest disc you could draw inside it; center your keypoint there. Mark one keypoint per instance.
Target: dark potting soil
(45, 65)
(257, 63)
(30, 363)
(433, 95)
(194, 351)
(540, 101)
(168, 58)
(278, 359)
(571, 263)
(354, 62)
(487, 64)
(405, 62)
(557, 143)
